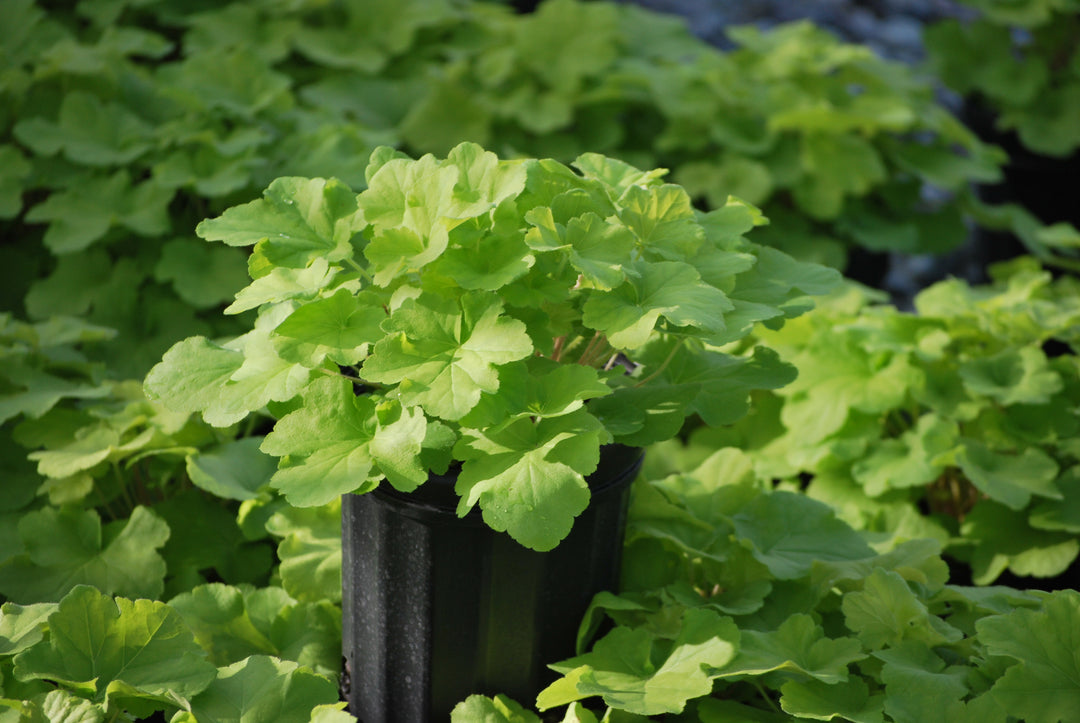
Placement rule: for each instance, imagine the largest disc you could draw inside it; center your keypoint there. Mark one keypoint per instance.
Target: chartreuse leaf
(1044, 684)
(296, 221)
(263, 688)
(331, 713)
(340, 442)
(64, 547)
(663, 220)
(226, 382)
(636, 671)
(310, 550)
(406, 203)
(669, 289)
(444, 355)
(282, 284)
(104, 649)
(483, 181)
(500, 709)
(799, 645)
(912, 460)
(529, 477)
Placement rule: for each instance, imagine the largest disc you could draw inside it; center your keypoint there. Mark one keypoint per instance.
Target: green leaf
(837, 166)
(339, 328)
(918, 687)
(628, 315)
(201, 275)
(721, 383)
(1009, 478)
(224, 383)
(235, 470)
(262, 688)
(282, 284)
(205, 539)
(443, 356)
(631, 671)
(886, 612)
(788, 533)
(486, 258)
(1044, 685)
(1013, 376)
(22, 625)
(232, 623)
(799, 646)
(815, 700)
(913, 460)
(500, 709)
(60, 705)
(310, 551)
(483, 181)
(537, 389)
(1005, 539)
(80, 215)
(65, 547)
(663, 220)
(597, 248)
(405, 203)
(12, 180)
(124, 648)
(529, 477)
(339, 442)
(297, 221)
(88, 132)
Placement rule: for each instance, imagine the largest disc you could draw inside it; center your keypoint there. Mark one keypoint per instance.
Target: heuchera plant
(510, 316)
(1020, 59)
(957, 422)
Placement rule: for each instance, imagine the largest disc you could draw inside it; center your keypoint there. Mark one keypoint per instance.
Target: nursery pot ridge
(437, 607)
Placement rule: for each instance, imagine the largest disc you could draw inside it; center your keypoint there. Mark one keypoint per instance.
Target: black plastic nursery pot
(437, 607)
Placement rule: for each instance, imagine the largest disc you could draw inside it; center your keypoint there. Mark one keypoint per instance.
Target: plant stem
(663, 365)
(359, 269)
(557, 348)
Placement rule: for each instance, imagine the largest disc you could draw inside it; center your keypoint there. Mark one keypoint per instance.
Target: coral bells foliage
(511, 316)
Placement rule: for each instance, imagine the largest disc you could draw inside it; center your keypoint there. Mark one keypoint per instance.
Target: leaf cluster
(746, 604)
(216, 654)
(511, 316)
(1020, 59)
(956, 421)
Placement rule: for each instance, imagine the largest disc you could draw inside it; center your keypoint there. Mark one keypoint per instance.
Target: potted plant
(477, 337)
